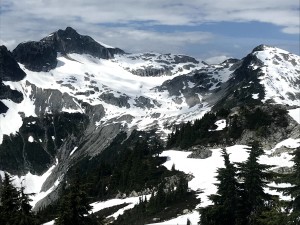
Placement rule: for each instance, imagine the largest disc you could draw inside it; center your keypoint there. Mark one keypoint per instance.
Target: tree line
(241, 198)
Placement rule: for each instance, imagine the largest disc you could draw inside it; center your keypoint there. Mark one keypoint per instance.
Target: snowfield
(280, 70)
(92, 77)
(295, 114)
(204, 171)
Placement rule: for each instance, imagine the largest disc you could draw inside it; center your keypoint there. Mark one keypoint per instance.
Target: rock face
(9, 68)
(121, 101)
(199, 152)
(50, 100)
(36, 56)
(3, 108)
(41, 55)
(7, 93)
(69, 41)
(9, 71)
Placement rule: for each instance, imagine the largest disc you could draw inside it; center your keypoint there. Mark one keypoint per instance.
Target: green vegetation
(14, 205)
(202, 131)
(294, 190)
(74, 206)
(163, 204)
(241, 198)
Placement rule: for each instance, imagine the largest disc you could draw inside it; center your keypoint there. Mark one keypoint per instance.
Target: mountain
(66, 99)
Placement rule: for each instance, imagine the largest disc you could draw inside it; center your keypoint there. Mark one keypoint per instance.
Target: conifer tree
(9, 197)
(74, 207)
(255, 178)
(294, 190)
(25, 215)
(223, 212)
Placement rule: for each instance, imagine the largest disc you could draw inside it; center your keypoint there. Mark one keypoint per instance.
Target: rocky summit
(68, 102)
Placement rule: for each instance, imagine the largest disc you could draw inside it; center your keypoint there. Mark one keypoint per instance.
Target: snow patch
(255, 96)
(74, 149)
(132, 201)
(30, 139)
(295, 114)
(182, 220)
(15, 110)
(221, 125)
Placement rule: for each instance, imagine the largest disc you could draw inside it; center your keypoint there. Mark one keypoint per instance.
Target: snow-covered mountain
(101, 91)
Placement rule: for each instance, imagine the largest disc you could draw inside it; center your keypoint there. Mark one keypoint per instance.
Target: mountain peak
(41, 55)
(70, 41)
(270, 48)
(261, 47)
(70, 29)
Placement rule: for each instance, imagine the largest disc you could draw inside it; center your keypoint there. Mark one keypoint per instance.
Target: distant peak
(70, 29)
(261, 47)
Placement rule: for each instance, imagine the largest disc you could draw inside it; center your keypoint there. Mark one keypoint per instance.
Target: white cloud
(141, 40)
(216, 59)
(9, 44)
(128, 23)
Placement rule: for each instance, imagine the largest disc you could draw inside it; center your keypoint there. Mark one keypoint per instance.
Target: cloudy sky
(201, 28)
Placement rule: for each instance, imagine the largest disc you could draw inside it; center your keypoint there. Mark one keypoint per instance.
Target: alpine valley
(129, 127)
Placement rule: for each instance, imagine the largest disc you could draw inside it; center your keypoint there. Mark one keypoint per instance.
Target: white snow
(295, 114)
(105, 45)
(255, 96)
(30, 139)
(109, 76)
(132, 201)
(289, 143)
(204, 171)
(33, 183)
(49, 223)
(182, 220)
(72, 152)
(279, 75)
(221, 124)
(11, 121)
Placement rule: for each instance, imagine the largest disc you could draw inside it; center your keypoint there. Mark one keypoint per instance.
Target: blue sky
(200, 28)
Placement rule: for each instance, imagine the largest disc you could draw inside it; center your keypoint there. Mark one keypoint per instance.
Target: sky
(205, 29)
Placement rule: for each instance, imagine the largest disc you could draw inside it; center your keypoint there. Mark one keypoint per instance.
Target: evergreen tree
(223, 212)
(255, 178)
(294, 190)
(9, 197)
(25, 215)
(74, 207)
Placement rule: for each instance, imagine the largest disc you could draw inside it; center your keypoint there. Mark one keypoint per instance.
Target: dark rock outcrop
(9, 68)
(200, 152)
(69, 41)
(244, 82)
(41, 55)
(121, 101)
(36, 56)
(3, 108)
(150, 71)
(7, 93)
(143, 102)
